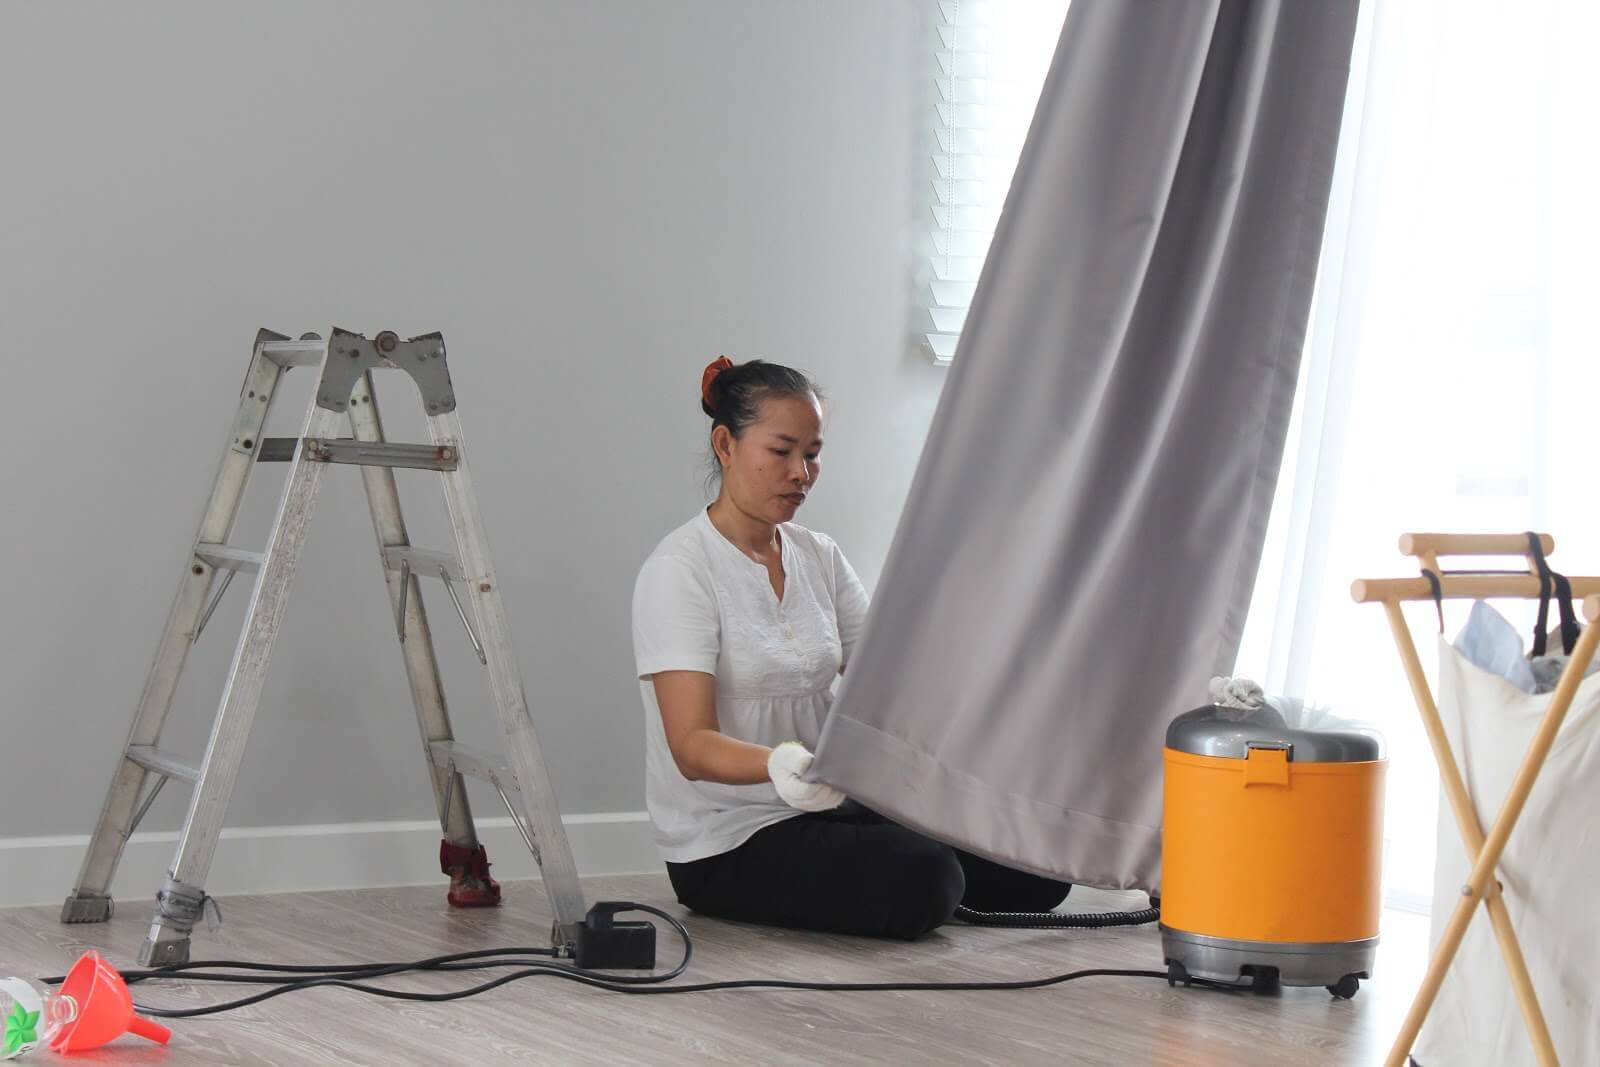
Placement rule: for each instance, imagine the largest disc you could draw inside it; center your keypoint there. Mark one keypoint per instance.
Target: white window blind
(990, 60)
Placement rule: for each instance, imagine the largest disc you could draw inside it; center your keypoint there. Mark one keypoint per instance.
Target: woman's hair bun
(707, 379)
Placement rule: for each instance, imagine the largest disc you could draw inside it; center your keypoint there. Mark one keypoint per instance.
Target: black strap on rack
(1551, 585)
(1550, 581)
(1438, 594)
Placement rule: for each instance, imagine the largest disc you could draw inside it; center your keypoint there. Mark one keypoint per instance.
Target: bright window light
(989, 60)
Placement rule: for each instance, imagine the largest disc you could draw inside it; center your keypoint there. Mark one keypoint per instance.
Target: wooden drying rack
(1485, 850)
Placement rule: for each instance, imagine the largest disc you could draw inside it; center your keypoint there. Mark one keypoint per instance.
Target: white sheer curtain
(1454, 355)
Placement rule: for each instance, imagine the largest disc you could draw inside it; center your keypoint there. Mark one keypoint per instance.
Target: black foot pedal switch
(605, 944)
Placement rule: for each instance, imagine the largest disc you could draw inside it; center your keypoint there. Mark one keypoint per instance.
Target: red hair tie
(714, 368)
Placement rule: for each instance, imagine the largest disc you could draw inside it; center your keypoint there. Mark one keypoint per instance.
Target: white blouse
(700, 604)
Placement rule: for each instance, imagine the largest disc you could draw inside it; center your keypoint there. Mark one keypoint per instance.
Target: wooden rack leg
(1472, 836)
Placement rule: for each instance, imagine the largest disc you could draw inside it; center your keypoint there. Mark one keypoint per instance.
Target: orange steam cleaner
(1271, 844)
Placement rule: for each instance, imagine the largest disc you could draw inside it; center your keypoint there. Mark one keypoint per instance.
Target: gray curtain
(1077, 552)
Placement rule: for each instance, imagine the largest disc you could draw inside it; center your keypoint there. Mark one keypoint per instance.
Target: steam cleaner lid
(1231, 732)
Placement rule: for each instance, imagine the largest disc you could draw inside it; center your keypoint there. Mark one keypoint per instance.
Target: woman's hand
(788, 762)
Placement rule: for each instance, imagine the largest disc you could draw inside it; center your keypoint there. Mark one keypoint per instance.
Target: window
(989, 60)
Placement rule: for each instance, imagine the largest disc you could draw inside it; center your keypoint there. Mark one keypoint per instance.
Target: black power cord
(531, 963)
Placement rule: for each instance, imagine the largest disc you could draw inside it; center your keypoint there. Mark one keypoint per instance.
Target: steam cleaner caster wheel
(1346, 987)
(1177, 974)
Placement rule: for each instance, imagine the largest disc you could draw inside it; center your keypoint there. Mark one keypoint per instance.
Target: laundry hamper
(1548, 875)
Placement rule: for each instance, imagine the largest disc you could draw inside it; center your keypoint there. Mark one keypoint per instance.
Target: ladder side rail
(90, 897)
(417, 651)
(542, 813)
(181, 898)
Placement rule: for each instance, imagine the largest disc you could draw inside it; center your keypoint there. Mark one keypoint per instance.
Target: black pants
(852, 871)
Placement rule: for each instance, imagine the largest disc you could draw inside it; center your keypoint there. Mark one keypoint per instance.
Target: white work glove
(1237, 692)
(785, 765)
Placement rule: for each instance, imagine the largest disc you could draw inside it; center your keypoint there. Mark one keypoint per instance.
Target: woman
(742, 620)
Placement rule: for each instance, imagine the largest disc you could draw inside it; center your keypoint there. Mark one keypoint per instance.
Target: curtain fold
(1076, 554)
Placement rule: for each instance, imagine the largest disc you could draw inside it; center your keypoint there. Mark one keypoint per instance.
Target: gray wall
(589, 200)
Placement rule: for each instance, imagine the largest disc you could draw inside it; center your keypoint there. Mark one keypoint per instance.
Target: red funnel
(105, 1008)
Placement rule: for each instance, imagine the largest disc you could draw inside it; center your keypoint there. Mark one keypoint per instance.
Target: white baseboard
(278, 859)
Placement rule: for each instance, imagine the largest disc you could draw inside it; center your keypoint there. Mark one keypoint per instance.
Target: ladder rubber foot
(87, 908)
(466, 895)
(468, 868)
(163, 953)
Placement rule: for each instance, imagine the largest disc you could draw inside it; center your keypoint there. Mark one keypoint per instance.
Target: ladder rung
(425, 562)
(472, 762)
(228, 558)
(294, 353)
(154, 759)
(381, 453)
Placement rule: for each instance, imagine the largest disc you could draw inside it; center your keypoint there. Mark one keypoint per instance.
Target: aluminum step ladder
(345, 362)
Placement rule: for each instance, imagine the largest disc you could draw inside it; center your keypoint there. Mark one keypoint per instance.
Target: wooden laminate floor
(1092, 1021)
